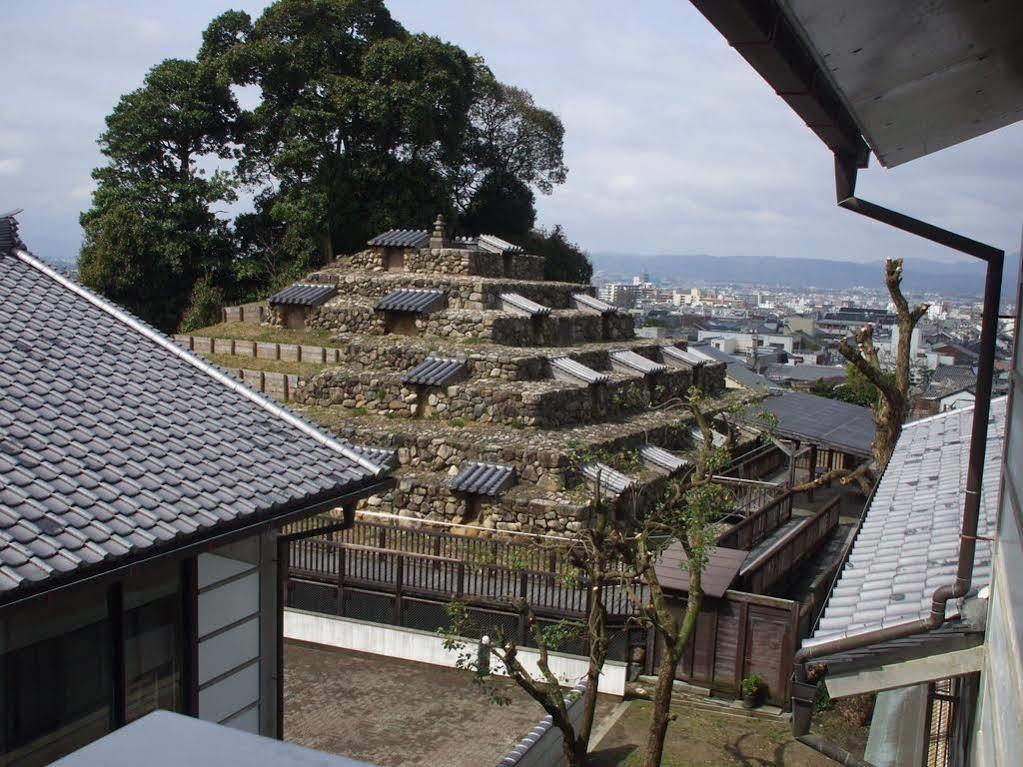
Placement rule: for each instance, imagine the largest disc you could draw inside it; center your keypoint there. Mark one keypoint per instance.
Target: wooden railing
(757, 463)
(789, 551)
(502, 574)
(758, 525)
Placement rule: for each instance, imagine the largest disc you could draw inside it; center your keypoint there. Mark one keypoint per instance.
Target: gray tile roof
(673, 354)
(566, 368)
(482, 478)
(401, 238)
(420, 300)
(301, 294)
(628, 360)
(517, 303)
(586, 302)
(808, 373)
(735, 369)
(823, 421)
(661, 459)
(8, 230)
(493, 244)
(435, 371)
(908, 543)
(947, 379)
(116, 444)
(609, 479)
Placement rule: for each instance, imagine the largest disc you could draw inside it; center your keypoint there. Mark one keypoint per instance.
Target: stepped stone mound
(502, 395)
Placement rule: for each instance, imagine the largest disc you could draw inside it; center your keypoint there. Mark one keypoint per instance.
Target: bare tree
(686, 514)
(593, 559)
(892, 385)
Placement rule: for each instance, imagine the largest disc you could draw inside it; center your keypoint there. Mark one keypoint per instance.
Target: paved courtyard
(396, 713)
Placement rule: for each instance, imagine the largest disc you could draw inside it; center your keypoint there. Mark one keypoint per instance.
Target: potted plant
(752, 687)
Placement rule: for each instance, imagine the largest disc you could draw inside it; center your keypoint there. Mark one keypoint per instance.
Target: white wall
(229, 636)
(427, 647)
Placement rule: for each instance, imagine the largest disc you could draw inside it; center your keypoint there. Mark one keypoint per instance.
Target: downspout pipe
(845, 185)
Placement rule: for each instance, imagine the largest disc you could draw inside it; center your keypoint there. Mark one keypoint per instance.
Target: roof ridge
(166, 343)
(948, 413)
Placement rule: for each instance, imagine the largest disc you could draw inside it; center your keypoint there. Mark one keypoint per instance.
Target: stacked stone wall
(342, 317)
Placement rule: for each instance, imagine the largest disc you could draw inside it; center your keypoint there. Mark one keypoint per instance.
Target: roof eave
(200, 541)
(771, 43)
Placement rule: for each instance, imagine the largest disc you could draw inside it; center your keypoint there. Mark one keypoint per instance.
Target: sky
(674, 144)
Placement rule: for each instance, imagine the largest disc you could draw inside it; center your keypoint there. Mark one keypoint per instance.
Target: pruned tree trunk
(892, 386)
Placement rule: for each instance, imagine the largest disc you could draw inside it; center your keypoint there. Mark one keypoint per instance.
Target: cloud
(10, 166)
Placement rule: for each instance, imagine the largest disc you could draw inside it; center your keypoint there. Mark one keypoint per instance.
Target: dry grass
(705, 739)
(248, 332)
(304, 370)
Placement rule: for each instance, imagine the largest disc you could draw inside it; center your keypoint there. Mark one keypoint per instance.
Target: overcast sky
(674, 144)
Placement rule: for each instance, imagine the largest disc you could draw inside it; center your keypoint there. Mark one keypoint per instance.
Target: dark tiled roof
(567, 368)
(381, 456)
(823, 421)
(520, 303)
(8, 231)
(808, 373)
(419, 300)
(948, 379)
(115, 443)
(435, 371)
(636, 362)
(303, 295)
(401, 238)
(483, 478)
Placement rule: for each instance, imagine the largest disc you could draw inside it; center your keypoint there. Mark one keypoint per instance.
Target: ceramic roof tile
(908, 544)
(100, 452)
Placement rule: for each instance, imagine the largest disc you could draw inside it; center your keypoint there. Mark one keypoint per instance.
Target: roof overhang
(910, 79)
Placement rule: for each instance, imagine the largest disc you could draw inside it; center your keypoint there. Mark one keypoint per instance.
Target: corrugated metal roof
(493, 244)
(609, 479)
(114, 444)
(718, 439)
(515, 302)
(481, 478)
(674, 354)
(718, 574)
(629, 360)
(436, 371)
(421, 300)
(908, 542)
(662, 460)
(401, 238)
(301, 294)
(822, 421)
(587, 302)
(566, 368)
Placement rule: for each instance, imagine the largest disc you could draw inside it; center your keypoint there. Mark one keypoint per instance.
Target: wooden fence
(739, 635)
(758, 525)
(778, 561)
(757, 463)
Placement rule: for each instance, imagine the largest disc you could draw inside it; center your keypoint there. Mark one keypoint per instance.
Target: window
(55, 679)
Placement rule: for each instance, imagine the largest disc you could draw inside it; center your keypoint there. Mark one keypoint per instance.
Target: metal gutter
(161, 340)
(845, 185)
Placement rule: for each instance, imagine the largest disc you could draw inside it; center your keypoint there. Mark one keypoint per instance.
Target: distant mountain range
(920, 275)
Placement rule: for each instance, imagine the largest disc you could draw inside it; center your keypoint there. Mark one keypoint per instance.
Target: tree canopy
(355, 126)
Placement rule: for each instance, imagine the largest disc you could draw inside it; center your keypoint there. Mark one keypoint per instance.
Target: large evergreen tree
(151, 233)
(358, 126)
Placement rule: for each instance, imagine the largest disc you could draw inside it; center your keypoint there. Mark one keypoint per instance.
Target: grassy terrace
(303, 370)
(249, 332)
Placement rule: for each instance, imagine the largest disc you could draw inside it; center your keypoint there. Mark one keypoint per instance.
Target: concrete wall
(542, 746)
(427, 647)
(237, 645)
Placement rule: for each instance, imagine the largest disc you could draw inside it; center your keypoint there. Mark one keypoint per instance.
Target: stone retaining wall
(454, 261)
(461, 293)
